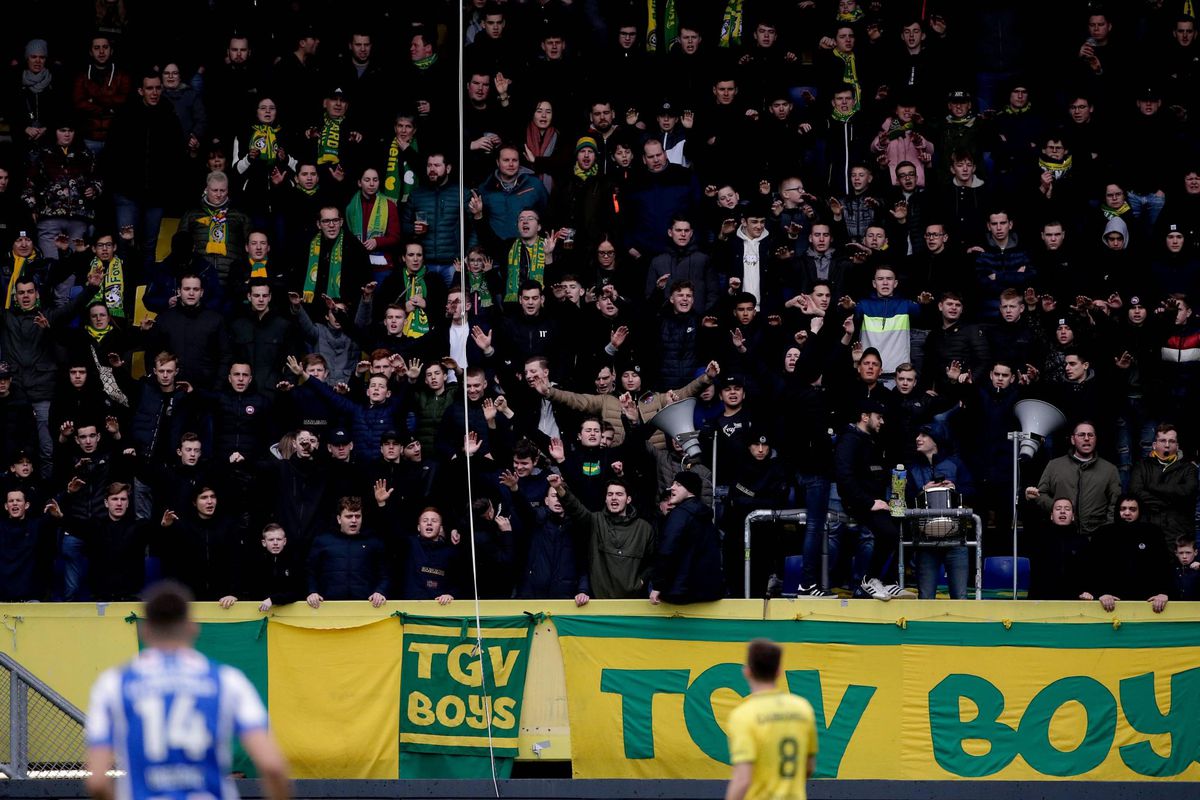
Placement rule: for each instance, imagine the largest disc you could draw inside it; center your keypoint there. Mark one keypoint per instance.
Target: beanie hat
(36, 47)
(690, 481)
(586, 141)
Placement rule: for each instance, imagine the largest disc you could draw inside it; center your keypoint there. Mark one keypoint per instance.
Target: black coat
(859, 470)
(277, 577)
(117, 557)
(1130, 562)
(26, 548)
(348, 567)
(552, 558)
(430, 568)
(687, 566)
(202, 554)
(199, 337)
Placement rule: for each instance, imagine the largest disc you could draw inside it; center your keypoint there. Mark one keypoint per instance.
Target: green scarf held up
(853, 16)
(264, 139)
(477, 286)
(416, 324)
(10, 294)
(670, 26)
(377, 223)
(731, 24)
(533, 268)
(329, 143)
(215, 220)
(1057, 168)
(112, 287)
(314, 266)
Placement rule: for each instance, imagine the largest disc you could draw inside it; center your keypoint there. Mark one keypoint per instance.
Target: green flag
(448, 693)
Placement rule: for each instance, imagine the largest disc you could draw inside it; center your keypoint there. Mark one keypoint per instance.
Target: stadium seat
(998, 578)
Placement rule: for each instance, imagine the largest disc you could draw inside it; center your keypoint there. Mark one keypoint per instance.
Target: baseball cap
(731, 380)
(666, 109)
(338, 437)
(958, 96)
(5, 370)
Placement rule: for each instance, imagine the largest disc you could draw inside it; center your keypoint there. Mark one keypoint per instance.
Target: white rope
(462, 283)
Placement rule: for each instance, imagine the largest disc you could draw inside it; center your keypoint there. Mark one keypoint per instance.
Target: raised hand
(382, 492)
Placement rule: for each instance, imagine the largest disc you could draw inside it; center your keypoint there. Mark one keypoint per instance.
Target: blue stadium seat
(998, 578)
(153, 569)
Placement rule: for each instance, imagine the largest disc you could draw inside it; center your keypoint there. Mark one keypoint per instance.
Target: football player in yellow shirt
(772, 734)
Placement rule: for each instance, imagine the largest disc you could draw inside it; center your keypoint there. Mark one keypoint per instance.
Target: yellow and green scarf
(397, 177)
(97, 334)
(478, 287)
(18, 267)
(898, 129)
(524, 263)
(215, 220)
(426, 62)
(850, 75)
(1113, 213)
(1057, 168)
(1010, 111)
(670, 26)
(377, 223)
(329, 143)
(853, 16)
(314, 266)
(585, 174)
(416, 324)
(731, 24)
(264, 139)
(112, 288)
(258, 269)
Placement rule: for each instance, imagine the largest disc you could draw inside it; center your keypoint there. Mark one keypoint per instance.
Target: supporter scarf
(215, 220)
(850, 74)
(670, 26)
(840, 117)
(330, 141)
(263, 138)
(1057, 168)
(258, 269)
(416, 324)
(541, 143)
(584, 174)
(1113, 213)
(1009, 110)
(968, 120)
(524, 263)
(853, 16)
(308, 192)
(396, 184)
(477, 286)
(731, 24)
(36, 82)
(425, 63)
(97, 334)
(112, 288)
(376, 224)
(314, 266)
(18, 268)
(1189, 9)
(898, 129)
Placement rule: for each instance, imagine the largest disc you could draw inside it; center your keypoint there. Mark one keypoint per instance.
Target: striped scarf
(525, 262)
(1112, 213)
(670, 26)
(19, 263)
(850, 75)
(377, 223)
(397, 177)
(215, 220)
(314, 267)
(731, 24)
(416, 324)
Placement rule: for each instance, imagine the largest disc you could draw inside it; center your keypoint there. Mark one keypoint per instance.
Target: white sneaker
(873, 587)
(896, 593)
(811, 591)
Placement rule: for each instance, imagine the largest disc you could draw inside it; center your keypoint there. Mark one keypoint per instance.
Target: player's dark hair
(762, 658)
(167, 607)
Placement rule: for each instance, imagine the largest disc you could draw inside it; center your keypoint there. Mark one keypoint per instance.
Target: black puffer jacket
(200, 339)
(687, 565)
(552, 561)
(242, 423)
(348, 567)
(678, 352)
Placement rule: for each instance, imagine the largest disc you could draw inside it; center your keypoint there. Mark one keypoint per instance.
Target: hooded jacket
(620, 550)
(1092, 486)
(687, 564)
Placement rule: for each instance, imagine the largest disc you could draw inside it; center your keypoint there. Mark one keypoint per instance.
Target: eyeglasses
(1085, 435)
(906, 174)
(606, 253)
(331, 222)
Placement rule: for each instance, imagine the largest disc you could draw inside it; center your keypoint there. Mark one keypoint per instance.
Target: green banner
(448, 693)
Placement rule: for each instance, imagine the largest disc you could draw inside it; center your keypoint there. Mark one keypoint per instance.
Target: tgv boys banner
(648, 697)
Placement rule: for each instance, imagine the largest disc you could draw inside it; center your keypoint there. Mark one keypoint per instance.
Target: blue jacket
(502, 208)
(1005, 265)
(652, 201)
(440, 206)
(368, 423)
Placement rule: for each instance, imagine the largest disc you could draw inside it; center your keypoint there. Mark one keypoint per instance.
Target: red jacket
(97, 94)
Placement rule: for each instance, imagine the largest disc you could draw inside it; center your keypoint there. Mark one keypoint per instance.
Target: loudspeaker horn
(1039, 419)
(676, 421)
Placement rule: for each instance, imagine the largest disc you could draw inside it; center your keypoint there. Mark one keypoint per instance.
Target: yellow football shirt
(777, 732)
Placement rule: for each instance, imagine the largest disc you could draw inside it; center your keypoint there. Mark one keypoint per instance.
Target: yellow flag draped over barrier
(648, 698)
(333, 699)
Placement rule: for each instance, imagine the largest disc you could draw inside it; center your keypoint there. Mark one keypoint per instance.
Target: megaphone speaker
(676, 421)
(1038, 418)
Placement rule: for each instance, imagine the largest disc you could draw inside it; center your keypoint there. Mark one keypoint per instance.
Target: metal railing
(44, 736)
(800, 516)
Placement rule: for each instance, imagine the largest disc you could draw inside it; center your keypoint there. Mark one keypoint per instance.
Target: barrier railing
(44, 731)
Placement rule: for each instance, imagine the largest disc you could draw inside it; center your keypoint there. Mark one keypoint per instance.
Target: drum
(939, 497)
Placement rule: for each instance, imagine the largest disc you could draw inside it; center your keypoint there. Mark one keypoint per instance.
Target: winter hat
(690, 481)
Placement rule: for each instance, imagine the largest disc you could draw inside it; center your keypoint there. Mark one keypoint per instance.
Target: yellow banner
(333, 699)
(648, 698)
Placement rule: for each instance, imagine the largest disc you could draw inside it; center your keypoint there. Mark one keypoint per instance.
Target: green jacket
(620, 551)
(1093, 486)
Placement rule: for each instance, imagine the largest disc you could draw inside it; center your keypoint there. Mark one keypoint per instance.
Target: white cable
(462, 283)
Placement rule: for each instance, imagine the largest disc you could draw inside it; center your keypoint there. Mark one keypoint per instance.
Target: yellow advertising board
(648, 698)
